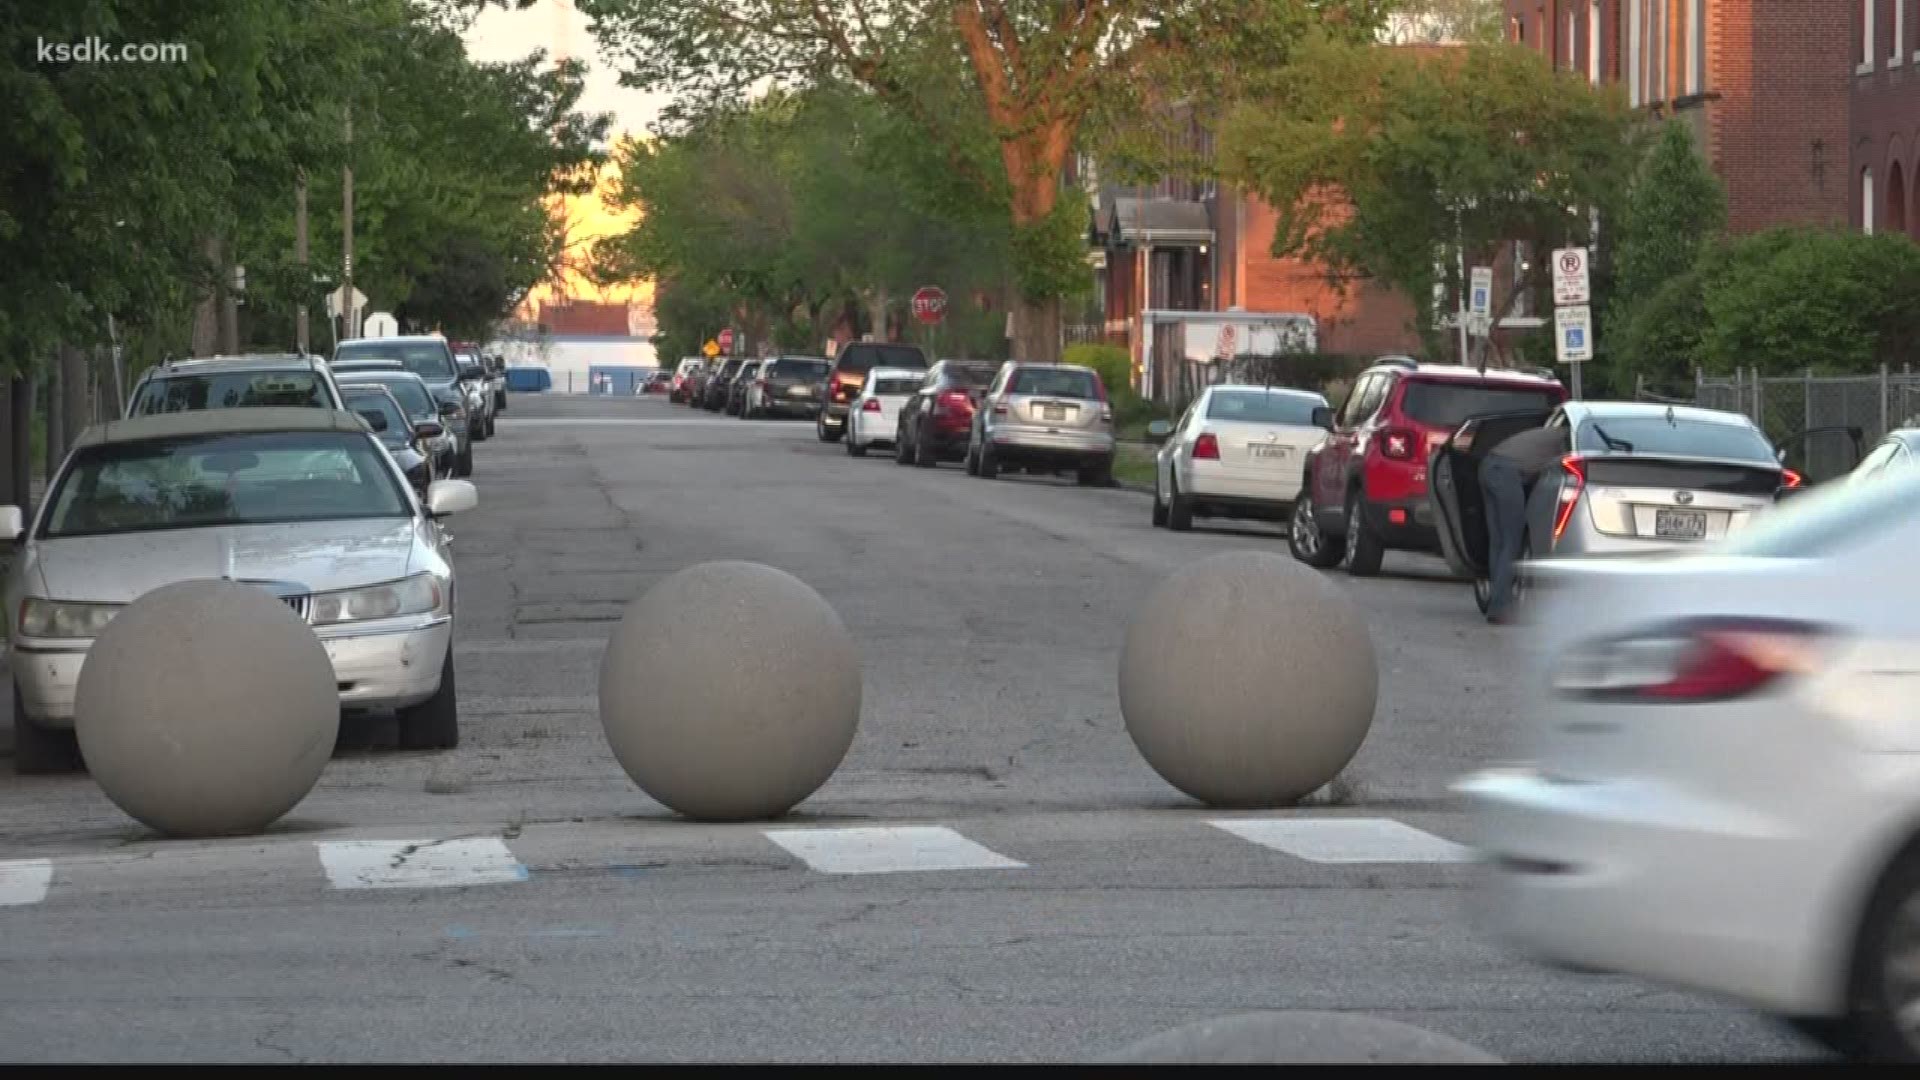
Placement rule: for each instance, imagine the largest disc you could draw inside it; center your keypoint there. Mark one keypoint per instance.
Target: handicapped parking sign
(1573, 333)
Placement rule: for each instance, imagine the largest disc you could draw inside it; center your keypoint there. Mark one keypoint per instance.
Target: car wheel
(1483, 592)
(855, 448)
(820, 429)
(973, 458)
(500, 401)
(463, 465)
(41, 751)
(477, 431)
(1179, 507)
(434, 724)
(1309, 543)
(1159, 508)
(1363, 554)
(1883, 1023)
(989, 462)
(922, 456)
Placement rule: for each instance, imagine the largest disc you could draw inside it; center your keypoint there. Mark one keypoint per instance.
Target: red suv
(1365, 488)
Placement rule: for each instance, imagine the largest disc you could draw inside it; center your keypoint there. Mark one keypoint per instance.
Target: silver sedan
(303, 502)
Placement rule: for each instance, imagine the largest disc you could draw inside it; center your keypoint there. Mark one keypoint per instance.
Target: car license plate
(1261, 450)
(1053, 412)
(800, 391)
(1680, 524)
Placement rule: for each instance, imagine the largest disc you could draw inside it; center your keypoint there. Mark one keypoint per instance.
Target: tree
(1785, 300)
(1675, 208)
(1029, 73)
(1382, 162)
(1445, 22)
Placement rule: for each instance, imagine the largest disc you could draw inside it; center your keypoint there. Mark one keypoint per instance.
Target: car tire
(434, 724)
(500, 401)
(463, 465)
(1483, 593)
(922, 456)
(826, 434)
(477, 432)
(855, 448)
(1363, 554)
(1307, 540)
(973, 459)
(1179, 508)
(1871, 1030)
(1159, 507)
(989, 463)
(41, 751)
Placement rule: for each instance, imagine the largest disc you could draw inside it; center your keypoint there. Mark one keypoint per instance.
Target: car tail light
(1398, 444)
(872, 405)
(1701, 661)
(1206, 448)
(953, 399)
(1576, 469)
(999, 408)
(1790, 479)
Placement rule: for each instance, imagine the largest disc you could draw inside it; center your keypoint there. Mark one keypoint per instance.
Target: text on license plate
(1262, 451)
(1680, 524)
(800, 391)
(1053, 412)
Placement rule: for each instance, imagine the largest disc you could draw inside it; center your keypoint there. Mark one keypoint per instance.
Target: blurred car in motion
(787, 386)
(694, 391)
(389, 423)
(1046, 419)
(713, 397)
(1237, 452)
(658, 382)
(414, 397)
(302, 502)
(429, 357)
(849, 372)
(478, 386)
(1899, 450)
(1364, 492)
(1637, 479)
(682, 372)
(873, 419)
(742, 386)
(1720, 787)
(235, 382)
(937, 420)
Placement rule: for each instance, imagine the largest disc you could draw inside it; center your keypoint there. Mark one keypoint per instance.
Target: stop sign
(930, 304)
(726, 340)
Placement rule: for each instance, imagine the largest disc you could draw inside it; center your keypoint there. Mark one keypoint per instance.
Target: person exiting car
(1506, 477)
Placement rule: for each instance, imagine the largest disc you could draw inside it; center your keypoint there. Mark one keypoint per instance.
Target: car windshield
(411, 392)
(427, 359)
(1450, 404)
(972, 375)
(864, 357)
(895, 387)
(1656, 435)
(200, 481)
(231, 390)
(799, 369)
(1264, 408)
(1056, 382)
(1830, 518)
(397, 431)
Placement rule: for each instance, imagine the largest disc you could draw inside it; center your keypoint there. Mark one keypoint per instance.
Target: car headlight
(62, 619)
(420, 594)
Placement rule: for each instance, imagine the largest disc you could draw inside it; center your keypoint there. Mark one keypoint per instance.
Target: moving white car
(1237, 452)
(873, 419)
(303, 502)
(1721, 787)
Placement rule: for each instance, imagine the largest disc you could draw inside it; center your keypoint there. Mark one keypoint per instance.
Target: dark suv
(713, 397)
(936, 422)
(849, 373)
(1365, 488)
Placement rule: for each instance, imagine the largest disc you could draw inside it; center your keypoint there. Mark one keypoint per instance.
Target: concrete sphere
(1248, 680)
(1300, 1038)
(730, 691)
(207, 708)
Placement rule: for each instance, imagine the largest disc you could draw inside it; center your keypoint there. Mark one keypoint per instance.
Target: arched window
(1866, 200)
(1896, 200)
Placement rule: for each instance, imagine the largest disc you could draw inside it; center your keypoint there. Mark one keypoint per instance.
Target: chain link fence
(1823, 422)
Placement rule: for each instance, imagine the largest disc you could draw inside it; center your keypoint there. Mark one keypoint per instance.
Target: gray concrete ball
(207, 708)
(1248, 680)
(730, 691)
(1300, 1038)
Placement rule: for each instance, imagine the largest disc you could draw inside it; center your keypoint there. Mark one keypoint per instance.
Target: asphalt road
(1049, 898)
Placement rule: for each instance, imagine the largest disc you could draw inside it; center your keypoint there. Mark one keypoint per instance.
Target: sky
(499, 34)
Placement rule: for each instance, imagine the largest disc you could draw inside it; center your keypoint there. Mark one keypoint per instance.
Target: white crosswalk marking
(1345, 840)
(418, 864)
(888, 850)
(24, 881)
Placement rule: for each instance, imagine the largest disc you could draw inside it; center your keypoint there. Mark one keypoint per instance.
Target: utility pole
(349, 324)
(300, 258)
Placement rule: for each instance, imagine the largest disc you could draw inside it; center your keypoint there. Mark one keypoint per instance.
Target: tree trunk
(1036, 329)
(20, 439)
(75, 397)
(877, 312)
(206, 314)
(8, 496)
(54, 411)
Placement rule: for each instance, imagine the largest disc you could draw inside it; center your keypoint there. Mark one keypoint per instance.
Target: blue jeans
(1503, 491)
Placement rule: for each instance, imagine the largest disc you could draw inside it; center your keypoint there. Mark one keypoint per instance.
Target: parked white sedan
(1721, 788)
(305, 503)
(1237, 452)
(873, 419)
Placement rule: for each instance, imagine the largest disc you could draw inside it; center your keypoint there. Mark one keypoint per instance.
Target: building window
(1696, 46)
(1899, 30)
(1636, 94)
(1866, 200)
(1593, 42)
(1866, 34)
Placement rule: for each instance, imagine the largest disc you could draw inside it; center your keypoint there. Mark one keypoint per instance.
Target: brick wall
(1885, 120)
(1780, 130)
(1362, 319)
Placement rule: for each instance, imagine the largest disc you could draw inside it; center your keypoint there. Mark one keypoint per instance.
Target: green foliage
(1112, 363)
(1675, 206)
(1380, 160)
(1835, 301)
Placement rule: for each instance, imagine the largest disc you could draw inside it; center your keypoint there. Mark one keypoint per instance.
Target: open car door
(1453, 483)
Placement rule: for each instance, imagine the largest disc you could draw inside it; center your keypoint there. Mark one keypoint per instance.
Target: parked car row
(324, 482)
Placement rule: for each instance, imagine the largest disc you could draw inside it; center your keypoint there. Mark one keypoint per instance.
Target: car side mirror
(1159, 430)
(1323, 417)
(427, 429)
(448, 497)
(12, 524)
(376, 421)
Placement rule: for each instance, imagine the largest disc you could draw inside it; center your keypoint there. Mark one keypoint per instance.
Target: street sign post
(380, 324)
(1573, 338)
(1572, 286)
(711, 348)
(1480, 293)
(930, 304)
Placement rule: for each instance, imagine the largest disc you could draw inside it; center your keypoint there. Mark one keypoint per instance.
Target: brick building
(1809, 110)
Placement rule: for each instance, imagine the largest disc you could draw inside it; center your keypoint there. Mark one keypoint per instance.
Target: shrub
(1111, 361)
